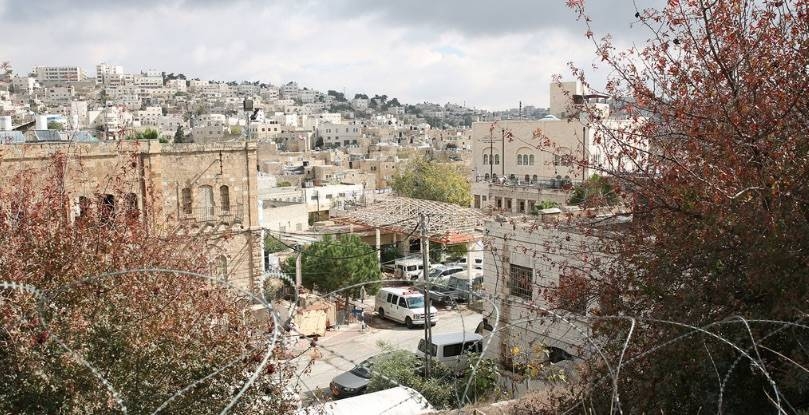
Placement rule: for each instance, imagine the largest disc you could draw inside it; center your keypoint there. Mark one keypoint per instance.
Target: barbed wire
(751, 353)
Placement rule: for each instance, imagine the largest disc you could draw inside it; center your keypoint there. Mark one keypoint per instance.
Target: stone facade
(198, 188)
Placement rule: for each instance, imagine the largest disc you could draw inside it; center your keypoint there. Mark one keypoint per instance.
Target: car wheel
(381, 312)
(409, 323)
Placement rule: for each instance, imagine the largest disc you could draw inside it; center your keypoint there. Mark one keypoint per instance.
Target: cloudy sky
(487, 54)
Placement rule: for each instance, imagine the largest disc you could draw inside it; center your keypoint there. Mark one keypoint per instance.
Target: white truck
(405, 305)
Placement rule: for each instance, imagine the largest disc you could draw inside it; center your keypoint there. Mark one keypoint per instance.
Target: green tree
(542, 205)
(332, 264)
(273, 245)
(55, 125)
(443, 389)
(426, 179)
(179, 136)
(596, 191)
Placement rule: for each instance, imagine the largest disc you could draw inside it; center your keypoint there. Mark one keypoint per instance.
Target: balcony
(213, 215)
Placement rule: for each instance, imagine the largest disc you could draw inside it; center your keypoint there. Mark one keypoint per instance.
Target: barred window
(224, 196)
(520, 281)
(572, 291)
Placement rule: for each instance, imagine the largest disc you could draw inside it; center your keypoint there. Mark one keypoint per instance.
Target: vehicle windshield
(415, 302)
(363, 370)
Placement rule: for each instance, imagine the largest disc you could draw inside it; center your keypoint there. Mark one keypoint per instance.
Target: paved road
(339, 351)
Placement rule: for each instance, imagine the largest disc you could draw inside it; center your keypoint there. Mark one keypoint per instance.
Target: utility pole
(425, 257)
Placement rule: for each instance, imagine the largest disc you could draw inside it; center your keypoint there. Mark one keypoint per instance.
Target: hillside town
(188, 245)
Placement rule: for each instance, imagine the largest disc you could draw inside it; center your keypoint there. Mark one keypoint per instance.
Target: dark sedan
(354, 382)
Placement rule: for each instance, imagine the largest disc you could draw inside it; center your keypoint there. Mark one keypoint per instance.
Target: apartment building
(58, 73)
(339, 135)
(526, 262)
(519, 163)
(105, 72)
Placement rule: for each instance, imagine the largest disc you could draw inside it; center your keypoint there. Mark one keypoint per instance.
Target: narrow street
(340, 350)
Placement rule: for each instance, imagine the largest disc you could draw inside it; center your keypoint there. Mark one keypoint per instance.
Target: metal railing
(213, 215)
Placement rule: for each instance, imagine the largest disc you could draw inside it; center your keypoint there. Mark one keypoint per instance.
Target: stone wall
(157, 174)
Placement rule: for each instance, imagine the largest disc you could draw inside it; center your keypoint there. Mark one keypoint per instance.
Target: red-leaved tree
(78, 335)
(713, 270)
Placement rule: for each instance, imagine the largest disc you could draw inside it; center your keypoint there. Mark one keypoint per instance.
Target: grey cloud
(484, 18)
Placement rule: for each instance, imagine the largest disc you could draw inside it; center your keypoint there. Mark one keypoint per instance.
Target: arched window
(497, 159)
(485, 159)
(519, 159)
(84, 206)
(534, 178)
(531, 160)
(206, 202)
(222, 267)
(486, 177)
(106, 206)
(494, 176)
(527, 178)
(224, 198)
(186, 195)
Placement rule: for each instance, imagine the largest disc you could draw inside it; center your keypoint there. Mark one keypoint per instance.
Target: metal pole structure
(425, 257)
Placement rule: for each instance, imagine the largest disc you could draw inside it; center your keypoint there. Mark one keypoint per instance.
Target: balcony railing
(565, 183)
(213, 215)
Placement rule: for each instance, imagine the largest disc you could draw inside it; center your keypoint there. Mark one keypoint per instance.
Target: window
(519, 281)
(486, 177)
(84, 206)
(186, 196)
(534, 178)
(473, 347)
(557, 160)
(485, 159)
(452, 349)
(206, 201)
(531, 160)
(106, 206)
(390, 297)
(423, 347)
(519, 159)
(527, 178)
(402, 302)
(497, 159)
(222, 267)
(224, 197)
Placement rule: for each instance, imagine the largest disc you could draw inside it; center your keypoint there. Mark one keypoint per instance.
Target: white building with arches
(519, 163)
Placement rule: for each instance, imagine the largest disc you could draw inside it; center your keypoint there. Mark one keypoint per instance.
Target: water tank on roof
(5, 123)
(42, 122)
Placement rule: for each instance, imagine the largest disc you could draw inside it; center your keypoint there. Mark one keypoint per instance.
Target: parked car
(353, 382)
(456, 289)
(408, 268)
(405, 305)
(451, 348)
(445, 271)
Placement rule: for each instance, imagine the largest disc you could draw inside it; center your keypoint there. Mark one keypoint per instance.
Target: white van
(405, 305)
(451, 348)
(408, 268)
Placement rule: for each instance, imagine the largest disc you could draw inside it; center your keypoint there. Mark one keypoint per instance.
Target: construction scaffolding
(448, 223)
